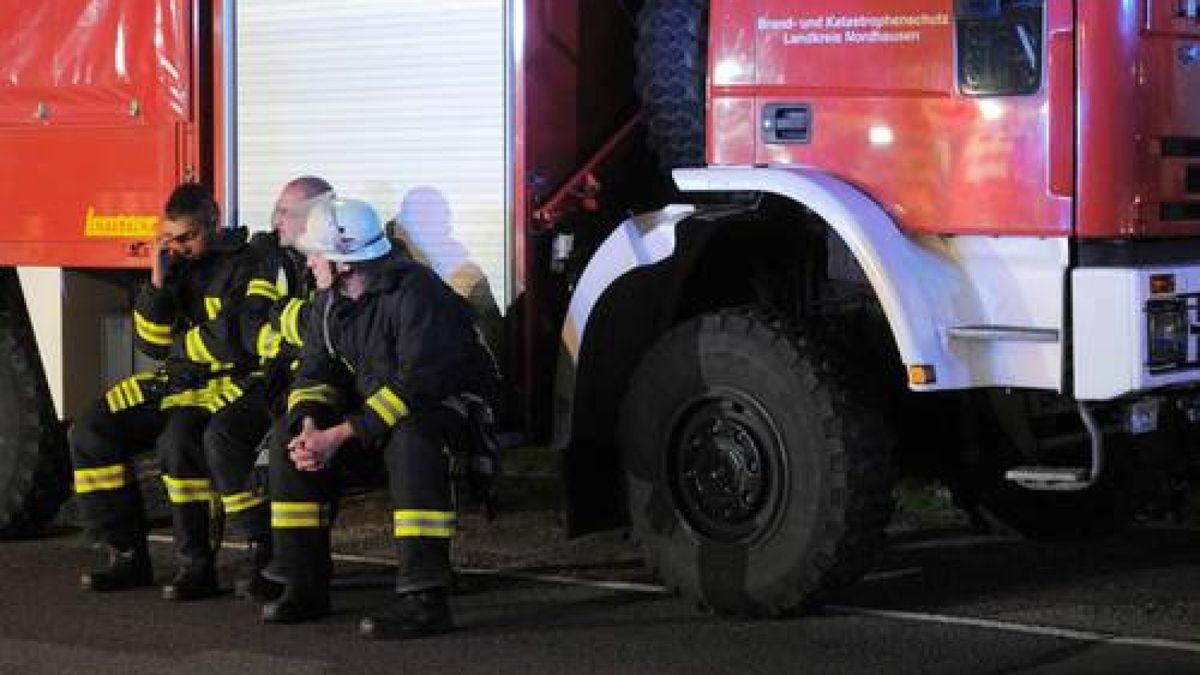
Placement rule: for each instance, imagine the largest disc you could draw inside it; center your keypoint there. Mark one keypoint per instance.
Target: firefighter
(188, 316)
(276, 307)
(388, 348)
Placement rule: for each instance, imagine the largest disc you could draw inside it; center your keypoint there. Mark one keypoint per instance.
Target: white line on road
(955, 542)
(653, 589)
(1029, 629)
(622, 586)
(888, 575)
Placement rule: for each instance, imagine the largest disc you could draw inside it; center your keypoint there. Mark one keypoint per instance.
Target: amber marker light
(921, 375)
(1162, 284)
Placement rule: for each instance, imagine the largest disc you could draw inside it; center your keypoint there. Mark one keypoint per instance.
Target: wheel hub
(722, 467)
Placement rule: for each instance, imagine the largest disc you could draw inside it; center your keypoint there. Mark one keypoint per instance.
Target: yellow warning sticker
(119, 225)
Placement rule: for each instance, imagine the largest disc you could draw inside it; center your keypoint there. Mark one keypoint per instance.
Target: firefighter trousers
(104, 442)
(416, 454)
(231, 445)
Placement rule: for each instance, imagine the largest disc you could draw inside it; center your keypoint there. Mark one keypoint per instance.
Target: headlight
(1167, 332)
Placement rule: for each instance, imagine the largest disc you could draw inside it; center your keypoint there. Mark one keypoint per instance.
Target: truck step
(988, 333)
(1049, 477)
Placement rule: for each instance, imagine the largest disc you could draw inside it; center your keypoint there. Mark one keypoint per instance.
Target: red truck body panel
(886, 115)
(1082, 154)
(1140, 120)
(99, 114)
(95, 97)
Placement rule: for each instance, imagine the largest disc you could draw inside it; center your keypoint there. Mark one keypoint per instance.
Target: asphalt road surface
(937, 602)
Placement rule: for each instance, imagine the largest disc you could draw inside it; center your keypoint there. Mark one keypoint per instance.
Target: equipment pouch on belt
(482, 452)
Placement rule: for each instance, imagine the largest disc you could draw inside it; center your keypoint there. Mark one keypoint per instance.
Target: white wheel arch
(982, 311)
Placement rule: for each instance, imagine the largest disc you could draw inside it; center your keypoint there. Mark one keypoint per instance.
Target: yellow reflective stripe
(263, 289)
(382, 411)
(268, 342)
(196, 349)
(212, 397)
(127, 393)
(132, 391)
(242, 501)
(394, 402)
(212, 307)
(102, 478)
(194, 398)
(289, 322)
(116, 399)
(154, 333)
(387, 405)
(227, 389)
(300, 514)
(321, 393)
(188, 490)
(420, 523)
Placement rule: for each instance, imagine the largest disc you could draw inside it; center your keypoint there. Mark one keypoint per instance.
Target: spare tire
(671, 50)
(34, 464)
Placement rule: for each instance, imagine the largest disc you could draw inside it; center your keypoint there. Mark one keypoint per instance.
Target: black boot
(253, 584)
(196, 571)
(194, 582)
(126, 568)
(298, 603)
(410, 615)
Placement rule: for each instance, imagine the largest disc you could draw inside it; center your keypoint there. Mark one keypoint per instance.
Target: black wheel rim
(726, 466)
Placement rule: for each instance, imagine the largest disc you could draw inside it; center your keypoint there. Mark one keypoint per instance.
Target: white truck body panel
(1111, 350)
(937, 290)
(411, 114)
(43, 289)
(644, 239)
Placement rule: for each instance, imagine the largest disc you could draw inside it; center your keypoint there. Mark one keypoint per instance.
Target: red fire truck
(746, 261)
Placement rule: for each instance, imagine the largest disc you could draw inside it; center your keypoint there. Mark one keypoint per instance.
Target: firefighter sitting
(277, 308)
(388, 346)
(188, 315)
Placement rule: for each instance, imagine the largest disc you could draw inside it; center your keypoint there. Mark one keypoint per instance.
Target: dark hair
(193, 201)
(312, 185)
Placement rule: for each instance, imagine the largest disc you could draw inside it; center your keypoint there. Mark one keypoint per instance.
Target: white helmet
(344, 230)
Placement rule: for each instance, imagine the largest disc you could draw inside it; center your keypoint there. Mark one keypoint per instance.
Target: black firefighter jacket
(277, 308)
(407, 344)
(193, 324)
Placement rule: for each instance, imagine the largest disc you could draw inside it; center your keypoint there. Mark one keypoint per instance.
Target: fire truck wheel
(756, 478)
(670, 49)
(34, 465)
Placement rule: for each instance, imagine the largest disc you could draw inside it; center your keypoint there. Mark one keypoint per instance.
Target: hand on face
(322, 270)
(182, 239)
(176, 239)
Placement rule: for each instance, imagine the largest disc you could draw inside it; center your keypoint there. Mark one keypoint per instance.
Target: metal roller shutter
(400, 102)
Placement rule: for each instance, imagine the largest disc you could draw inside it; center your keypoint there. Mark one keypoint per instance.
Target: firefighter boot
(410, 615)
(302, 557)
(196, 572)
(127, 567)
(297, 603)
(254, 584)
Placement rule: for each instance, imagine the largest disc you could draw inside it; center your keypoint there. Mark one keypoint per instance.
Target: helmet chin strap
(337, 277)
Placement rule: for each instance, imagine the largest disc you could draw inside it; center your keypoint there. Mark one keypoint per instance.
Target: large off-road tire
(671, 51)
(34, 464)
(757, 478)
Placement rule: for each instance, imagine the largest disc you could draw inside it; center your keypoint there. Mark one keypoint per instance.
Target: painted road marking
(1028, 629)
(923, 617)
